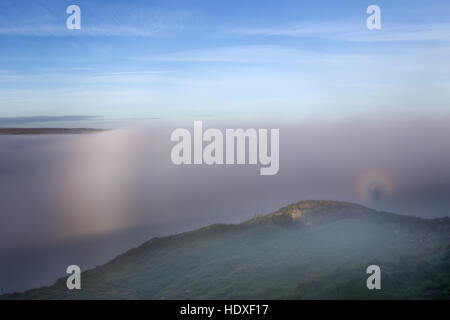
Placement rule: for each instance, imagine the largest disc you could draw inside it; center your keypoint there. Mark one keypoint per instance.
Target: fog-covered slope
(310, 249)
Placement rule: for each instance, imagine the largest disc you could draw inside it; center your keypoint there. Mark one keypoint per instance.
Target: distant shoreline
(27, 131)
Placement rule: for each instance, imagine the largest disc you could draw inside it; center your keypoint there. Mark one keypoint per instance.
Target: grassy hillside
(308, 250)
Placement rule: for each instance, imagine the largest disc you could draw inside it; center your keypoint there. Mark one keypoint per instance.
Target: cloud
(117, 180)
(83, 76)
(94, 31)
(263, 81)
(110, 21)
(354, 32)
(241, 54)
(423, 32)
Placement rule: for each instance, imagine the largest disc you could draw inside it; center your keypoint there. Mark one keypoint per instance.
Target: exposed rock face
(318, 212)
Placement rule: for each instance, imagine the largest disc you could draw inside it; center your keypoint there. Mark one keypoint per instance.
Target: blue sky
(223, 59)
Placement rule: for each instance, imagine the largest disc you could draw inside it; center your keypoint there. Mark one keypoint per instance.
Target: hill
(307, 250)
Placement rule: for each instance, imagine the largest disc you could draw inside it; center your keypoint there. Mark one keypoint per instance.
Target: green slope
(308, 250)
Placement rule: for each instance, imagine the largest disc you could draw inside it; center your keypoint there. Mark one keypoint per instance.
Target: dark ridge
(29, 131)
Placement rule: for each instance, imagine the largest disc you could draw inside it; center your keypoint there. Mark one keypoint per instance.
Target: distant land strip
(18, 131)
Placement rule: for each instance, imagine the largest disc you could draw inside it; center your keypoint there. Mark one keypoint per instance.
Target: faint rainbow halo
(374, 184)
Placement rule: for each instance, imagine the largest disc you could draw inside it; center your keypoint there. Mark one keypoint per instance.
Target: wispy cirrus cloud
(353, 32)
(235, 53)
(83, 76)
(94, 31)
(110, 21)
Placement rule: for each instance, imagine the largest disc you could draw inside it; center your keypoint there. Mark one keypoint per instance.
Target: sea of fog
(83, 199)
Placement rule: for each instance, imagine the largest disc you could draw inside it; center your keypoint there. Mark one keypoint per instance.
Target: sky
(222, 60)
